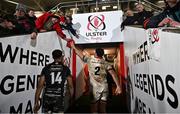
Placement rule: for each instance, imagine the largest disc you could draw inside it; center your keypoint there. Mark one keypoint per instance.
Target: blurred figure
(8, 27)
(69, 27)
(169, 17)
(5, 27)
(66, 22)
(31, 15)
(129, 13)
(61, 15)
(49, 22)
(142, 14)
(130, 19)
(25, 23)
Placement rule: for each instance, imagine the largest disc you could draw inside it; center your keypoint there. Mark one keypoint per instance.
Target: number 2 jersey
(97, 68)
(55, 79)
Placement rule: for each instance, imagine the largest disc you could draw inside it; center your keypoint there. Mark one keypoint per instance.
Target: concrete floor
(116, 104)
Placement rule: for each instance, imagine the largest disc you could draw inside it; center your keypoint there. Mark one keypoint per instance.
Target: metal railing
(96, 3)
(89, 3)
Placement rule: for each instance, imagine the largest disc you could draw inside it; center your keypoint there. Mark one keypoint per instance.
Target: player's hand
(72, 44)
(36, 107)
(69, 43)
(118, 90)
(43, 30)
(77, 36)
(33, 35)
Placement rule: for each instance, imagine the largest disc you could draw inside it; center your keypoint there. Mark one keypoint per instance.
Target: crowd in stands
(23, 22)
(170, 17)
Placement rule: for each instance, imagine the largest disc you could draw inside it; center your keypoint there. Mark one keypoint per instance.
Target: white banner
(22, 60)
(154, 85)
(98, 27)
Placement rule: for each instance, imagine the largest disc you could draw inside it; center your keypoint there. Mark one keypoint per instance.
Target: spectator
(130, 19)
(66, 22)
(22, 19)
(8, 26)
(4, 31)
(62, 19)
(32, 16)
(68, 26)
(142, 14)
(169, 17)
(48, 22)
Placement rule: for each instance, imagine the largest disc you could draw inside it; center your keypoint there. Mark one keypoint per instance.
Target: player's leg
(46, 104)
(94, 107)
(94, 96)
(58, 105)
(102, 106)
(103, 101)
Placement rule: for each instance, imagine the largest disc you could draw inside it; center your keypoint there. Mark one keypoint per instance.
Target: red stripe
(74, 69)
(122, 63)
(146, 22)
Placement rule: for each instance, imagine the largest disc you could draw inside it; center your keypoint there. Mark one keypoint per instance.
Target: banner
(98, 27)
(153, 84)
(21, 62)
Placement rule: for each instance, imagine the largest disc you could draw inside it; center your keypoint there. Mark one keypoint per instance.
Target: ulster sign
(98, 27)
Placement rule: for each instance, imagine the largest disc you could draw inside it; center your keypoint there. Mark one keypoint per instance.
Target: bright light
(107, 51)
(38, 13)
(115, 7)
(74, 10)
(11, 2)
(104, 7)
(135, 3)
(161, 1)
(96, 9)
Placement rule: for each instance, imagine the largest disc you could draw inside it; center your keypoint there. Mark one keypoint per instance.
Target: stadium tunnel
(113, 54)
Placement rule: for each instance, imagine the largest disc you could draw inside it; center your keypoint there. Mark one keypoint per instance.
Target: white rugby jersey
(97, 68)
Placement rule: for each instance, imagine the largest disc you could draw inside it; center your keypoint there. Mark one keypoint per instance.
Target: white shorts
(99, 95)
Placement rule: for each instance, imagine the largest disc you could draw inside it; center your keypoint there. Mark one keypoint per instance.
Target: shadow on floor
(82, 105)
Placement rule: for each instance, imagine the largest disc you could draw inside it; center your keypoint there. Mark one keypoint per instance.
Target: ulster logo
(155, 35)
(96, 22)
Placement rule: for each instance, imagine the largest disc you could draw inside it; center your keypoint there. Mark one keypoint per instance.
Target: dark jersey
(55, 79)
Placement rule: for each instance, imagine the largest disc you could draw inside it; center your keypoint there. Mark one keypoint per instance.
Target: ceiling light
(160, 1)
(104, 7)
(115, 7)
(11, 2)
(96, 9)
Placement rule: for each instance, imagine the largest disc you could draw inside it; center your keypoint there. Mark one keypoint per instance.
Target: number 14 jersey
(55, 79)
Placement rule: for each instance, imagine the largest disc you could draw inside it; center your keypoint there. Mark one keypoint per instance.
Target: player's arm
(71, 87)
(78, 52)
(38, 92)
(116, 80)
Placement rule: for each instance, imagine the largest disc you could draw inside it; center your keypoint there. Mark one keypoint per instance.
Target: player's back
(97, 69)
(55, 78)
